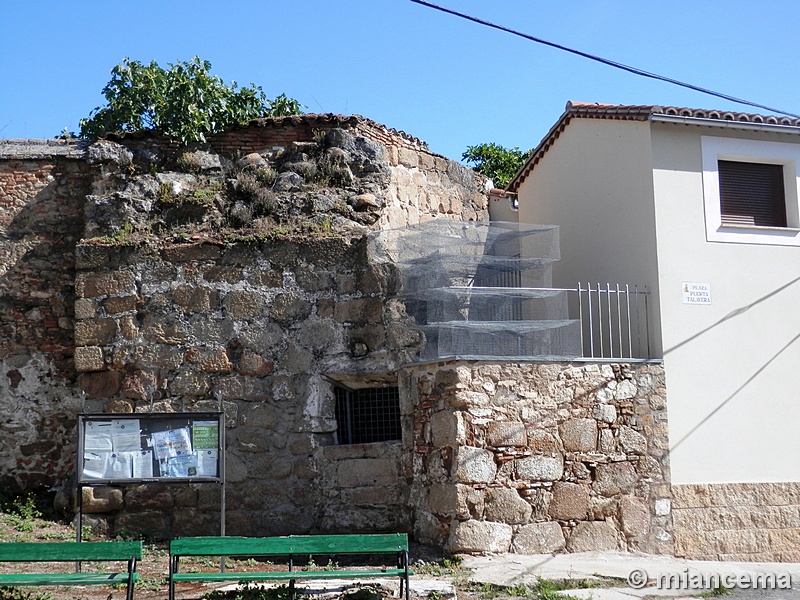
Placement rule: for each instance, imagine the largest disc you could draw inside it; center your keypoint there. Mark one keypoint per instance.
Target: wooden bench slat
(395, 544)
(300, 544)
(130, 552)
(66, 551)
(285, 575)
(20, 579)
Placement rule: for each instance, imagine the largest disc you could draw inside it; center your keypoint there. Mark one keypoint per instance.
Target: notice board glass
(150, 447)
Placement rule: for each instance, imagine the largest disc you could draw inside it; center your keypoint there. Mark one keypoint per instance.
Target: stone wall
(540, 458)
(173, 309)
(259, 325)
(126, 279)
(737, 521)
(42, 189)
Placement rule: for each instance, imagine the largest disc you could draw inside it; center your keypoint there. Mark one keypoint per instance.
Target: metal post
(646, 322)
(610, 322)
(619, 324)
(591, 324)
(79, 486)
(79, 524)
(221, 466)
(580, 313)
(638, 322)
(628, 304)
(600, 320)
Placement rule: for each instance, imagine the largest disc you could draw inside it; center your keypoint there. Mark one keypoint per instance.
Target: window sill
(768, 229)
(757, 235)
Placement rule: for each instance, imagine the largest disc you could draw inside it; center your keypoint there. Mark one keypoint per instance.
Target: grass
(720, 590)
(12, 593)
(20, 515)
(250, 591)
(439, 568)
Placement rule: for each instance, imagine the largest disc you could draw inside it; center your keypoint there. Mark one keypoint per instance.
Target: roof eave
(724, 124)
(653, 113)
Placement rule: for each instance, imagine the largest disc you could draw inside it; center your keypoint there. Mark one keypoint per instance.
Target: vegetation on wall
(496, 162)
(184, 101)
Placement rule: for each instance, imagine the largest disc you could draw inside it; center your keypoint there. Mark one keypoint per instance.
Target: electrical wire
(606, 61)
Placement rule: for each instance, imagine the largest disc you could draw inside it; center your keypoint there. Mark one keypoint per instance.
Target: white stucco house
(702, 207)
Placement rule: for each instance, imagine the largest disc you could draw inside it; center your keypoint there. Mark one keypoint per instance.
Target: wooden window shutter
(751, 194)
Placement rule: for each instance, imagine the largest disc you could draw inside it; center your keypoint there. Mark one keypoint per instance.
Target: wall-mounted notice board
(150, 447)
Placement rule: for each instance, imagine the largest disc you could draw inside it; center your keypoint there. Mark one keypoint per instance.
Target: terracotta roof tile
(620, 112)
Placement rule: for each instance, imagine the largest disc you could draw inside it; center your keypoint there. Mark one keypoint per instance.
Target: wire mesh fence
(478, 289)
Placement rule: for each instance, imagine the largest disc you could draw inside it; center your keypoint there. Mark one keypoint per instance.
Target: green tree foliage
(495, 162)
(184, 101)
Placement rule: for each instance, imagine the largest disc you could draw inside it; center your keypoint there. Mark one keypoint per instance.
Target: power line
(606, 61)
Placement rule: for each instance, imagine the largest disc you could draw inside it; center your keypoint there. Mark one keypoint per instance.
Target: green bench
(290, 548)
(71, 552)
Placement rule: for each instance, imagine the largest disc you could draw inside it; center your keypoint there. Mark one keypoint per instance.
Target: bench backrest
(57, 551)
(294, 544)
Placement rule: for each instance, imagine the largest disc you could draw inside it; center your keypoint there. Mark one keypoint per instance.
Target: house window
(750, 191)
(751, 194)
(367, 415)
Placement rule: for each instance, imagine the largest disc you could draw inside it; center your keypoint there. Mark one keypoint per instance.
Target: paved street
(513, 569)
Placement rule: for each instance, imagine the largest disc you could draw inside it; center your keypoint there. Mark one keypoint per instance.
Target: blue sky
(450, 82)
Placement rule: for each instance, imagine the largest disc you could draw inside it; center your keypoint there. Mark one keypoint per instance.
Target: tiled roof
(617, 112)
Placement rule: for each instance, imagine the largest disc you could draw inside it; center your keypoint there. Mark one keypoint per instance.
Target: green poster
(205, 435)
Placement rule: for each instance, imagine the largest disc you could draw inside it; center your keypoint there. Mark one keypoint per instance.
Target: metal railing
(590, 321)
(614, 321)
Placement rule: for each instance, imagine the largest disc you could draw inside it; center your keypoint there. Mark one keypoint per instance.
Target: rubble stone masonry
(540, 457)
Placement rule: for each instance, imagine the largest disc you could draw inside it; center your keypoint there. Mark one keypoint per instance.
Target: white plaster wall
(500, 209)
(595, 183)
(731, 366)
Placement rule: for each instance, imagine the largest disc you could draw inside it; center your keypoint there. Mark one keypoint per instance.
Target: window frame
(715, 149)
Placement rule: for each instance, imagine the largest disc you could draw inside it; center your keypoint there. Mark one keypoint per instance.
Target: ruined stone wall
(423, 185)
(55, 195)
(263, 320)
(262, 134)
(258, 325)
(737, 521)
(540, 457)
(42, 186)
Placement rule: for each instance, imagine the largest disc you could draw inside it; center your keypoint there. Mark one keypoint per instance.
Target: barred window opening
(367, 415)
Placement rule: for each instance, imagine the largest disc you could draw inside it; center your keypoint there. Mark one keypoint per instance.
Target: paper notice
(174, 442)
(107, 465)
(97, 436)
(182, 466)
(142, 464)
(125, 435)
(207, 463)
(94, 465)
(119, 466)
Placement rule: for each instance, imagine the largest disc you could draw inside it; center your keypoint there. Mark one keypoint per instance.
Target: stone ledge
(38, 149)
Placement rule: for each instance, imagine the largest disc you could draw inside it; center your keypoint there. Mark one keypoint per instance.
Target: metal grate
(367, 415)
